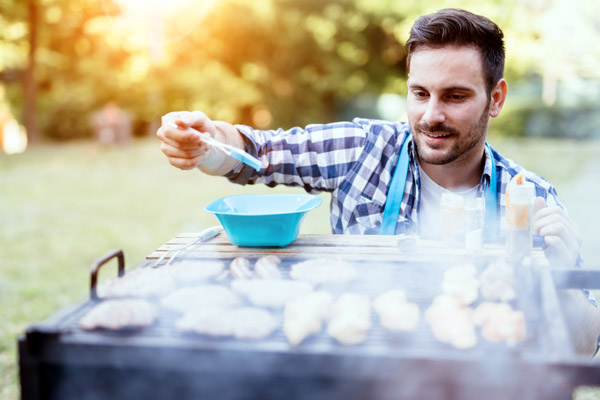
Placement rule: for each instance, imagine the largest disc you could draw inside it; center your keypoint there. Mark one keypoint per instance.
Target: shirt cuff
(242, 173)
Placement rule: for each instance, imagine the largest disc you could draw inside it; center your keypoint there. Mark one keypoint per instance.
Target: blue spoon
(231, 151)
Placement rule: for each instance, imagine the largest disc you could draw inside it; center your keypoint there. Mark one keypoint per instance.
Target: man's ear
(498, 97)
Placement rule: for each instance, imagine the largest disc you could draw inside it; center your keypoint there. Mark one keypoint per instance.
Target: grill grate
(59, 360)
(420, 280)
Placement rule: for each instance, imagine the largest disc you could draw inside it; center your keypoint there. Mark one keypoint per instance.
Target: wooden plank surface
(355, 247)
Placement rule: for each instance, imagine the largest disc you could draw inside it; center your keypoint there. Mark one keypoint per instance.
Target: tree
(13, 53)
(30, 86)
(267, 63)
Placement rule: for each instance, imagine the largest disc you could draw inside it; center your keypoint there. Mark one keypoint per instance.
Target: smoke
(163, 363)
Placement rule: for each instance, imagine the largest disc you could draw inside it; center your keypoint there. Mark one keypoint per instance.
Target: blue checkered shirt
(355, 161)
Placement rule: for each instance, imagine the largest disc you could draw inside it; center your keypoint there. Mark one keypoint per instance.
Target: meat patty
(451, 321)
(190, 271)
(460, 281)
(240, 268)
(304, 315)
(350, 318)
(120, 314)
(500, 323)
(498, 282)
(241, 323)
(203, 296)
(267, 267)
(395, 312)
(139, 282)
(273, 293)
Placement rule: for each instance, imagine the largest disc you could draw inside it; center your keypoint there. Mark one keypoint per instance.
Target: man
(455, 84)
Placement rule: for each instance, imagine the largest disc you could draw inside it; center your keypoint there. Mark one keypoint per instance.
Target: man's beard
(465, 143)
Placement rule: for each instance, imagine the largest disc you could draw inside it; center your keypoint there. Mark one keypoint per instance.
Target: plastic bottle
(520, 196)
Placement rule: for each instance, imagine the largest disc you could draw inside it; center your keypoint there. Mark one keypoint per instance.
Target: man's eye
(420, 95)
(457, 97)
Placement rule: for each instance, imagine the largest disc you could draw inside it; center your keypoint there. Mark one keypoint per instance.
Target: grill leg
(29, 372)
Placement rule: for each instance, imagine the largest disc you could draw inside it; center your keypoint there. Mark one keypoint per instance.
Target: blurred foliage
(268, 63)
(580, 122)
(294, 60)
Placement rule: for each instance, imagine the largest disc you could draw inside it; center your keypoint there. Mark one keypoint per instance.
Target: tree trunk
(29, 77)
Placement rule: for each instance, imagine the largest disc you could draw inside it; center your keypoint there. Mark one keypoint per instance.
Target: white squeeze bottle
(520, 197)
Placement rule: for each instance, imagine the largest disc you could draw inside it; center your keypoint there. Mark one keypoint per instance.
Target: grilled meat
(498, 282)
(395, 312)
(242, 323)
(460, 282)
(304, 316)
(203, 296)
(140, 282)
(273, 293)
(350, 318)
(189, 271)
(267, 267)
(451, 322)
(500, 323)
(120, 314)
(240, 268)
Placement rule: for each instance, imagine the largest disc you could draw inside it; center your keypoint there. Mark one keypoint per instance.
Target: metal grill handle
(95, 267)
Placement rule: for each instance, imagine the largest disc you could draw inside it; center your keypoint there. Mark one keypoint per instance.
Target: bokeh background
(83, 84)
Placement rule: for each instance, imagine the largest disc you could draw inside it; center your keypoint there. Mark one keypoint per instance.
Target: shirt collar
(487, 168)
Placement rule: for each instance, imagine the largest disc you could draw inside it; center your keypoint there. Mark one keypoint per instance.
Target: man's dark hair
(461, 28)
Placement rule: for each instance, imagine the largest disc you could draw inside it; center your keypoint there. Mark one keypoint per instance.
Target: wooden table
(351, 247)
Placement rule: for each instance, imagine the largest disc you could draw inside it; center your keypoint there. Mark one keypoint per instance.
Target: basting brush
(231, 151)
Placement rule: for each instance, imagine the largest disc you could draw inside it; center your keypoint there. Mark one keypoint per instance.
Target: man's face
(447, 104)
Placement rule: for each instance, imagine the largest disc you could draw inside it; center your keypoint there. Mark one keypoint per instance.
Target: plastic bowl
(263, 220)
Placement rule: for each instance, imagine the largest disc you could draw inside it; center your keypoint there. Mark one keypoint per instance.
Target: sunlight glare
(161, 5)
(154, 23)
(14, 139)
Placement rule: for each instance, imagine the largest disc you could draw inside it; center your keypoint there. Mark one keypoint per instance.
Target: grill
(59, 360)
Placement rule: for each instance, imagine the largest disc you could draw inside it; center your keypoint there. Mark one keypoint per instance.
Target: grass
(65, 205)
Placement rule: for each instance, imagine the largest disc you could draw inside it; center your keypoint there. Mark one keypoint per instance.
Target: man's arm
(185, 150)
(564, 241)
(583, 320)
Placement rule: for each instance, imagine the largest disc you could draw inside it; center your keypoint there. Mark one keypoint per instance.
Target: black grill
(59, 360)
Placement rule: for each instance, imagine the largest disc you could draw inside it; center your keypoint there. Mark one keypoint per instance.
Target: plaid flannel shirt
(355, 162)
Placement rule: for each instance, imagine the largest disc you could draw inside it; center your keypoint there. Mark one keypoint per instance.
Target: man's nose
(434, 114)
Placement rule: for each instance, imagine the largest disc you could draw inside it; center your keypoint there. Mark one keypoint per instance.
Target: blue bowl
(263, 220)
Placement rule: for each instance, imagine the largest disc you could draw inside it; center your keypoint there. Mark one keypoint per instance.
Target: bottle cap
(521, 194)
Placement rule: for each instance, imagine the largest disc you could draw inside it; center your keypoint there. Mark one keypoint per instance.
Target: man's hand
(560, 233)
(185, 150)
(183, 147)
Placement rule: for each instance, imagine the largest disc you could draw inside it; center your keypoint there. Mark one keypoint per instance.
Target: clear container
(452, 215)
(474, 220)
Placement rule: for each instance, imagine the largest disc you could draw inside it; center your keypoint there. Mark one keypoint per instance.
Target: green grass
(65, 205)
